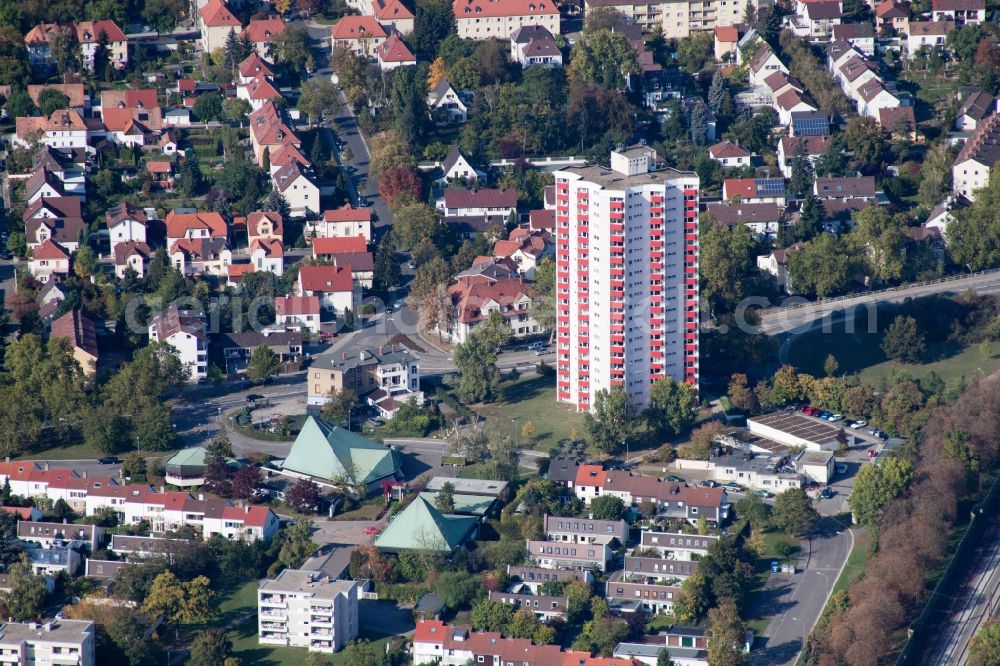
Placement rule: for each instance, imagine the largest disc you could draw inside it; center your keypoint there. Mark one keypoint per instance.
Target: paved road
(974, 602)
(795, 601)
(777, 321)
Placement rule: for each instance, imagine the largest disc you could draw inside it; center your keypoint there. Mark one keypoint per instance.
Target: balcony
(274, 601)
(270, 626)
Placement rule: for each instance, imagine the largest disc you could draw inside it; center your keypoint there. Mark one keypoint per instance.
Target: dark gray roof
(561, 469)
(525, 34)
(357, 358)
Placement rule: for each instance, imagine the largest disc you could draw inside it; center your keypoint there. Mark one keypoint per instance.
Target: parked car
(760, 492)
(371, 529)
(881, 435)
(835, 418)
(873, 431)
(827, 493)
(848, 423)
(732, 487)
(859, 424)
(825, 415)
(541, 351)
(708, 483)
(375, 422)
(675, 479)
(841, 469)
(108, 460)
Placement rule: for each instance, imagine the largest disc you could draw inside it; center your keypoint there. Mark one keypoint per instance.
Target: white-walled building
(344, 221)
(971, 169)
(306, 609)
(56, 643)
(497, 19)
(626, 277)
(185, 331)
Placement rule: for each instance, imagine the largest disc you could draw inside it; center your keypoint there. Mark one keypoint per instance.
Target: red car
(371, 529)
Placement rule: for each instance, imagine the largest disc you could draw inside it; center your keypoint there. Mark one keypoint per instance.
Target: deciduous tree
(875, 486)
(479, 377)
(671, 407)
(904, 340)
(608, 507)
(609, 422)
(264, 364)
(793, 512)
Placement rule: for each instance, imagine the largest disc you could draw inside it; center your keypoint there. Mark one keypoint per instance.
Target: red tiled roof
(888, 9)
(357, 27)
(254, 516)
(179, 223)
(74, 91)
(254, 219)
(471, 9)
(215, 14)
(25, 512)
(394, 50)
(390, 10)
(727, 149)
(159, 166)
(590, 475)
(125, 250)
(469, 299)
(50, 251)
(727, 33)
(129, 99)
(261, 88)
(326, 279)
(957, 5)
(272, 247)
(78, 330)
(339, 244)
(813, 145)
(347, 213)
(67, 206)
(252, 65)
(88, 32)
(542, 219)
(296, 305)
(264, 30)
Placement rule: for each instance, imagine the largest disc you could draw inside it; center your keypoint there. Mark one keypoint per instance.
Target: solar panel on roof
(810, 125)
(769, 187)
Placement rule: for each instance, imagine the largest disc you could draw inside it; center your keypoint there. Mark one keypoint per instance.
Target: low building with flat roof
(816, 465)
(486, 487)
(796, 429)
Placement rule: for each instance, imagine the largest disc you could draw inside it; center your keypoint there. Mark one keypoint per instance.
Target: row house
(343, 221)
(974, 108)
(238, 348)
(859, 35)
(860, 80)
(497, 19)
(53, 535)
(585, 530)
(810, 123)
(472, 303)
(754, 190)
(544, 607)
(636, 592)
(659, 568)
(971, 169)
(69, 166)
(674, 500)
(57, 219)
(257, 91)
(687, 646)
(573, 556)
(676, 546)
(532, 578)
(435, 642)
(860, 188)
(763, 64)
(764, 219)
(87, 34)
(961, 12)
(252, 67)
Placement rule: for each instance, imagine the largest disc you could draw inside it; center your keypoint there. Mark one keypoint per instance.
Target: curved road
(783, 320)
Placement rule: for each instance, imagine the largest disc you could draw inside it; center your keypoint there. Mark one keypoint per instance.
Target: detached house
(859, 35)
(496, 205)
(267, 254)
(54, 218)
(892, 15)
(268, 132)
(922, 35)
(763, 64)
(776, 265)
(446, 105)
(126, 223)
(332, 285)
(763, 219)
(360, 35)
(754, 190)
(297, 313)
(534, 45)
(728, 154)
(527, 249)
(301, 193)
(262, 32)
(393, 53)
(812, 147)
(131, 254)
(393, 16)
(253, 66)
(972, 166)
(473, 302)
(48, 259)
(90, 33)
(257, 91)
(191, 226)
(457, 167)
(962, 12)
(197, 256)
(216, 22)
(63, 129)
(187, 332)
(82, 337)
(344, 221)
(264, 225)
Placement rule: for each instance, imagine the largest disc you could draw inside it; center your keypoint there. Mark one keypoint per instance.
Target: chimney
(45, 466)
(162, 489)
(201, 497)
(84, 474)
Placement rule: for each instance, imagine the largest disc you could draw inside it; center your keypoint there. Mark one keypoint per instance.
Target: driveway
(794, 602)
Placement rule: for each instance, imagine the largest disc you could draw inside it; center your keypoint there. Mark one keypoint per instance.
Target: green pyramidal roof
(329, 452)
(420, 526)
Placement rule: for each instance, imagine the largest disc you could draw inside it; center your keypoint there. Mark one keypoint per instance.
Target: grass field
(533, 399)
(861, 353)
(856, 561)
(80, 451)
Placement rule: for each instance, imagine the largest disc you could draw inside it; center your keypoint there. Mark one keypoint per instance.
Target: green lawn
(856, 561)
(861, 353)
(246, 648)
(533, 399)
(79, 451)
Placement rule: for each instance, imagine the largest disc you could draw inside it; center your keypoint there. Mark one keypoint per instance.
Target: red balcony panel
(656, 310)
(656, 353)
(563, 330)
(617, 226)
(690, 336)
(617, 349)
(618, 339)
(656, 210)
(617, 294)
(690, 326)
(656, 198)
(656, 244)
(691, 270)
(691, 226)
(690, 348)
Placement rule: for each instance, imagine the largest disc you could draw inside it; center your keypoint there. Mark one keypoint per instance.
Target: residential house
(677, 546)
(941, 215)
(240, 523)
(201, 256)
(393, 15)
(268, 255)
(544, 607)
(572, 529)
(253, 66)
(726, 38)
(792, 101)
(90, 33)
(128, 98)
(810, 147)
(68, 166)
(216, 21)
(494, 205)
(126, 223)
(344, 221)
(972, 166)
(754, 190)
(815, 19)
(298, 188)
(131, 254)
(975, 107)
(64, 129)
(262, 32)
(961, 12)
(306, 609)
(187, 332)
(775, 263)
(497, 19)
(628, 590)
(264, 225)
(873, 98)
(891, 15)
(763, 219)
(851, 187)
(922, 36)
(75, 92)
(162, 173)
(37, 40)
(194, 226)
(899, 121)
(457, 168)
(53, 561)
(325, 248)
(363, 371)
(859, 35)
(178, 116)
(103, 569)
(571, 556)
(47, 260)
(589, 482)
(473, 303)
(79, 331)
(168, 142)
(258, 91)
(446, 105)
(360, 264)
(562, 471)
(333, 285)
(48, 535)
(532, 578)
(763, 64)
(66, 227)
(527, 249)
(393, 53)
(728, 154)
(673, 500)
(297, 313)
(268, 132)
(533, 45)
(238, 348)
(360, 35)
(42, 183)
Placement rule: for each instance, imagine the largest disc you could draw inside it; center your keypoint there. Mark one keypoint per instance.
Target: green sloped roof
(332, 453)
(422, 527)
(471, 505)
(195, 456)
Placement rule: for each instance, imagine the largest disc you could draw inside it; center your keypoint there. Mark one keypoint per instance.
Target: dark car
(675, 479)
(108, 460)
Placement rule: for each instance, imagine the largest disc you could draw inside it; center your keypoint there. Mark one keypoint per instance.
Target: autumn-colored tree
(436, 73)
(282, 6)
(399, 185)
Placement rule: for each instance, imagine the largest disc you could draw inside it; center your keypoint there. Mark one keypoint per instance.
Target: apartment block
(626, 277)
(51, 644)
(679, 18)
(307, 609)
(677, 546)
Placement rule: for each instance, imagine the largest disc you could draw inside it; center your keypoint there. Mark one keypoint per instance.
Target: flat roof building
(49, 644)
(795, 429)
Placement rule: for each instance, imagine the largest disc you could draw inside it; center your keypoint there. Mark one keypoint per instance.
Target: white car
(835, 418)
(859, 424)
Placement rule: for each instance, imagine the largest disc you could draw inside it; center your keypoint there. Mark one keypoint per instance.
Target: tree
(412, 222)
(246, 483)
(793, 512)
(740, 394)
(190, 180)
(609, 421)
(694, 53)
(208, 107)
(27, 594)
(728, 632)
(880, 239)
(128, 632)
(985, 646)
(830, 365)
(316, 658)
(727, 271)
(866, 139)
(495, 330)
(935, 175)
(478, 375)
(803, 175)
(603, 57)
(264, 364)
(319, 98)
(876, 486)
(503, 457)
(904, 340)
(304, 496)
(753, 509)
(457, 589)
(388, 150)
(387, 270)
(236, 110)
(19, 105)
(694, 599)
(102, 64)
(608, 507)
(106, 430)
(51, 100)
(488, 615)
(337, 408)
(152, 429)
(292, 47)
(671, 407)
(84, 262)
(974, 236)
(400, 185)
(363, 653)
(445, 499)
(823, 267)
(65, 50)
(663, 656)
(180, 602)
(698, 123)
(211, 647)
(528, 431)
(434, 20)
(297, 545)
(715, 91)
